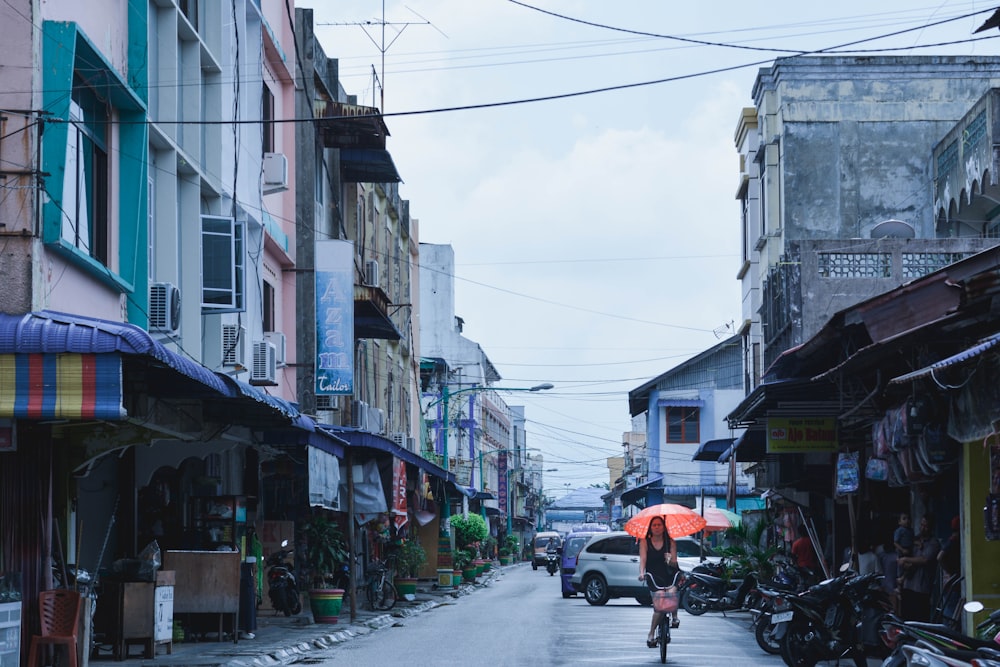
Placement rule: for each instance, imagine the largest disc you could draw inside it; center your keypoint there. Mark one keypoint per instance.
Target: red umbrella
(679, 520)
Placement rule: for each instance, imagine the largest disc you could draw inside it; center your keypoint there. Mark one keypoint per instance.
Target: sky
(579, 157)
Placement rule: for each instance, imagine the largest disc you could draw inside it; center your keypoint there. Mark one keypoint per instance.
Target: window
(267, 116)
(85, 188)
(222, 264)
(682, 424)
(268, 298)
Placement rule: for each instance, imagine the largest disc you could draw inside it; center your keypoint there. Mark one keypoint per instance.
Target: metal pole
(510, 506)
(446, 509)
(482, 485)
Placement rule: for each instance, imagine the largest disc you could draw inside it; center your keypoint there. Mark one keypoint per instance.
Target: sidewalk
(281, 640)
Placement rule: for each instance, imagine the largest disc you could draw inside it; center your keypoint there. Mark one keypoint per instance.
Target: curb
(289, 654)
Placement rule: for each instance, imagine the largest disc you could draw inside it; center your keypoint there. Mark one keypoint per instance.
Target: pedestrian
(803, 551)
(919, 572)
(903, 536)
(950, 556)
(658, 557)
(889, 562)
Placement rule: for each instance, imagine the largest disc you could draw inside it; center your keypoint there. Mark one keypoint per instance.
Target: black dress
(658, 563)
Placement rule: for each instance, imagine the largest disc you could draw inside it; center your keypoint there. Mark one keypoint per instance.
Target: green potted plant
(509, 550)
(463, 564)
(326, 551)
(409, 558)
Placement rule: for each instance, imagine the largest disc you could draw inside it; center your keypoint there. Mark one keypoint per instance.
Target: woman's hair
(649, 528)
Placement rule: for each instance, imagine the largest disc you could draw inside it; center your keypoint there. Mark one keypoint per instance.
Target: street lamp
(446, 395)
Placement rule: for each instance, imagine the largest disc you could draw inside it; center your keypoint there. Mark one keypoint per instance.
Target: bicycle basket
(665, 600)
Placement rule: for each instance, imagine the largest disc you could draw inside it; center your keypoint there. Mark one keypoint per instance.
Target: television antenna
(379, 26)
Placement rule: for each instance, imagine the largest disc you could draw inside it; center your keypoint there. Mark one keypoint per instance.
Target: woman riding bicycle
(658, 557)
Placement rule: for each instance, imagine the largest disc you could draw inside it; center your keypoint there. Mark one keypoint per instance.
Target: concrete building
(470, 428)
(684, 408)
(834, 187)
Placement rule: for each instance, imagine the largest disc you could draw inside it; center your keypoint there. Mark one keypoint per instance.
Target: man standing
(802, 550)
(919, 570)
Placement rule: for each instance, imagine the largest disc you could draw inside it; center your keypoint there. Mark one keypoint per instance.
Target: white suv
(608, 567)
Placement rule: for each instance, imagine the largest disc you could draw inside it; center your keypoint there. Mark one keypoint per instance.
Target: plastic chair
(60, 615)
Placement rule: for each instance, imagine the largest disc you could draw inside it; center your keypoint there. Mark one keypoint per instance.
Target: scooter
(705, 592)
(552, 562)
(282, 589)
(939, 638)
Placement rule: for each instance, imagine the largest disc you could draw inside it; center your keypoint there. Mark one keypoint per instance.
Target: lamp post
(446, 395)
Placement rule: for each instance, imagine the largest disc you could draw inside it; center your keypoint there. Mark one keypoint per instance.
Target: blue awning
(50, 332)
(668, 402)
(636, 492)
(749, 447)
(965, 355)
(677, 490)
(358, 438)
(711, 450)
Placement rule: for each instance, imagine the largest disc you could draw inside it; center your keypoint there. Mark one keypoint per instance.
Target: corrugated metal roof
(954, 359)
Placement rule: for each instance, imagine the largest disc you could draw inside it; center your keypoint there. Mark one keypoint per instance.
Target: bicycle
(665, 604)
(379, 588)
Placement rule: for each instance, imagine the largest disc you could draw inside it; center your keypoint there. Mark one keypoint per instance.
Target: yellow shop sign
(801, 434)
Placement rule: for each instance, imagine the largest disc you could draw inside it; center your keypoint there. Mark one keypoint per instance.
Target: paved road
(522, 619)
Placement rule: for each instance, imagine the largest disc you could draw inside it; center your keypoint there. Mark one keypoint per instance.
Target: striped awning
(61, 386)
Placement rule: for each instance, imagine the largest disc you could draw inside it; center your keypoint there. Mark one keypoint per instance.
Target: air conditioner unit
(164, 308)
(371, 273)
(278, 339)
(234, 345)
(359, 415)
(411, 444)
(376, 420)
(398, 438)
(264, 368)
(325, 403)
(275, 172)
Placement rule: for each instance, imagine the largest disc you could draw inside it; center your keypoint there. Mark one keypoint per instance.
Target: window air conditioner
(359, 415)
(264, 369)
(164, 308)
(275, 173)
(278, 338)
(371, 273)
(233, 345)
(398, 438)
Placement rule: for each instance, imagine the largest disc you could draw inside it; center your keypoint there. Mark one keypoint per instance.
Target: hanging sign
(787, 435)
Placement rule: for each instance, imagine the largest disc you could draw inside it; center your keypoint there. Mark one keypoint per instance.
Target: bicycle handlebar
(649, 577)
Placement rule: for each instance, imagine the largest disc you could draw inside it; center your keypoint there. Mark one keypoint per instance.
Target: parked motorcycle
(940, 639)
(835, 619)
(705, 592)
(552, 562)
(282, 589)
(771, 619)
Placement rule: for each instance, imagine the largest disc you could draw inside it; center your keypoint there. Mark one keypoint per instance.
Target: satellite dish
(893, 229)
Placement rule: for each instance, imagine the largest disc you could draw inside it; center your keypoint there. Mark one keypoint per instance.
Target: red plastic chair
(60, 616)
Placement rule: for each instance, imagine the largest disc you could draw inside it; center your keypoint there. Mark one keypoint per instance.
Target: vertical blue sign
(334, 318)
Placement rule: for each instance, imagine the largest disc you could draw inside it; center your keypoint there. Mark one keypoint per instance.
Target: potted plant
(509, 550)
(463, 564)
(326, 551)
(409, 558)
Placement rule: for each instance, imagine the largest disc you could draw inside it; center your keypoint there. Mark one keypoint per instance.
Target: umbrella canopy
(679, 520)
(720, 519)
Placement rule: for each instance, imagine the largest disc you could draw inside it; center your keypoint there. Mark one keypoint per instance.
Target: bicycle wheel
(664, 637)
(385, 598)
